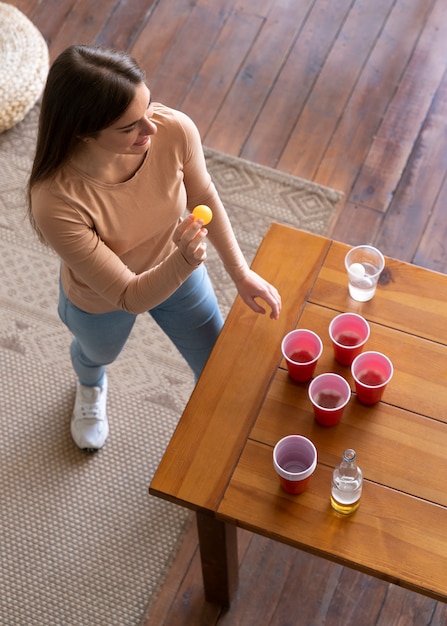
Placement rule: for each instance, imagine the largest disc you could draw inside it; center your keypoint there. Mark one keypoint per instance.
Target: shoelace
(91, 410)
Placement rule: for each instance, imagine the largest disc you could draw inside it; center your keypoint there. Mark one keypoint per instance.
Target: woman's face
(131, 133)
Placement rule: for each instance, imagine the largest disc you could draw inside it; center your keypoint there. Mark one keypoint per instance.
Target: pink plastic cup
(372, 371)
(329, 394)
(295, 460)
(301, 349)
(348, 332)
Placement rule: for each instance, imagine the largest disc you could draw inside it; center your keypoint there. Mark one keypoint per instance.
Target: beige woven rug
(82, 542)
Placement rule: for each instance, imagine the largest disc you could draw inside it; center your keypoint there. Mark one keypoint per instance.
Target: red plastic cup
(348, 332)
(372, 371)
(301, 349)
(329, 394)
(295, 460)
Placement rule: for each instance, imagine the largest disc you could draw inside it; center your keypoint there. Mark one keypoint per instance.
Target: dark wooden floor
(349, 93)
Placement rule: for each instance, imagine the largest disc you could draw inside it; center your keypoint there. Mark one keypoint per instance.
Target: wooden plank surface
(82, 25)
(408, 298)
(125, 22)
(394, 140)
(175, 72)
(401, 504)
(259, 66)
(432, 248)
(157, 38)
(214, 80)
(278, 116)
(408, 232)
(357, 224)
(312, 133)
(420, 365)
(230, 409)
(49, 18)
(399, 501)
(392, 445)
(373, 92)
(385, 537)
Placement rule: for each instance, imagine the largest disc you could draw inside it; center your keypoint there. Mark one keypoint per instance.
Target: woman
(112, 176)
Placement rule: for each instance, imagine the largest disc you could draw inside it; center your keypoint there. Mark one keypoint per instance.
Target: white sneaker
(89, 425)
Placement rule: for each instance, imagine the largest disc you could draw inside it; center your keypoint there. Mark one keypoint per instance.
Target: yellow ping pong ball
(203, 212)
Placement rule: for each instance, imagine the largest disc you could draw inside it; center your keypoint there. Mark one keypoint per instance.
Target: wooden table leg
(218, 554)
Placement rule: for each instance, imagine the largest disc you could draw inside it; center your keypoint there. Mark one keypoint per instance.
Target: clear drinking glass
(364, 265)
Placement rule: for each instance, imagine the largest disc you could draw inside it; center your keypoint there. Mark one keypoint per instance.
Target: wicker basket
(24, 64)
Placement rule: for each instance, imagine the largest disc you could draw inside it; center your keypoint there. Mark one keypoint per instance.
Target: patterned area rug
(82, 541)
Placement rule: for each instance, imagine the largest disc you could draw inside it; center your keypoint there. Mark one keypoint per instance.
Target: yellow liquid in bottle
(347, 480)
(344, 507)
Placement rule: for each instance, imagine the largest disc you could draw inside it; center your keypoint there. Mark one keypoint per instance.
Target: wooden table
(219, 461)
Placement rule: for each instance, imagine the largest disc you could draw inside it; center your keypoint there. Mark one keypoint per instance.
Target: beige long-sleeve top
(115, 240)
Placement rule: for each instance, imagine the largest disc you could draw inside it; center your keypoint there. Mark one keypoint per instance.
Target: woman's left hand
(254, 286)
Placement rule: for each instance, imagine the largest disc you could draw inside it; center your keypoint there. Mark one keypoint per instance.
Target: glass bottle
(347, 481)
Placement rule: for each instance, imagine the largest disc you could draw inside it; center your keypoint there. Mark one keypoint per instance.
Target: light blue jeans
(190, 317)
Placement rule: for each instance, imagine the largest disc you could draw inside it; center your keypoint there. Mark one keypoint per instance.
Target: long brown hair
(87, 89)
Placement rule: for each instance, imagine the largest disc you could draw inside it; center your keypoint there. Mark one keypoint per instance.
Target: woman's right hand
(189, 238)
